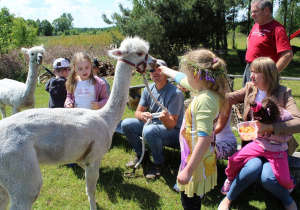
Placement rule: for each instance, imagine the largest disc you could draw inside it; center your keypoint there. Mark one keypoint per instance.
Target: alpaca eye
(32, 54)
(139, 53)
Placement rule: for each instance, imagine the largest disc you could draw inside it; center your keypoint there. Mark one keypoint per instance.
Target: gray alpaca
(17, 94)
(62, 136)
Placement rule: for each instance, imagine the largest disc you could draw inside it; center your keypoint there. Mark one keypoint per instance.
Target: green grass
(64, 188)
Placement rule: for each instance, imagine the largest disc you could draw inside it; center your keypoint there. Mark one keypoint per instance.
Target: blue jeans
(259, 169)
(246, 75)
(156, 135)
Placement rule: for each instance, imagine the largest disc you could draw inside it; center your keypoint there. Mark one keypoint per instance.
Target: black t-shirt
(58, 93)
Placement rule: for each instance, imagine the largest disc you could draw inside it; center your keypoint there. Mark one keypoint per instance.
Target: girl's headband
(208, 74)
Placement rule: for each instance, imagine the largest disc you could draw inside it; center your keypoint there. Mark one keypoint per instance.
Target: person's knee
(267, 177)
(253, 168)
(127, 124)
(151, 132)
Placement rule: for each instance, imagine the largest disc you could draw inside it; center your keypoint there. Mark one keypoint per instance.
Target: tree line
(174, 26)
(17, 32)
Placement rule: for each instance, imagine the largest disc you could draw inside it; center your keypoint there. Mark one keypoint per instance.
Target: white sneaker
(176, 188)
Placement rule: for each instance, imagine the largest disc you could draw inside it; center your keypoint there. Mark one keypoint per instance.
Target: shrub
(12, 66)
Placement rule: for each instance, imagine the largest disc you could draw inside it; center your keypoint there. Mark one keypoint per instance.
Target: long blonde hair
(212, 66)
(71, 80)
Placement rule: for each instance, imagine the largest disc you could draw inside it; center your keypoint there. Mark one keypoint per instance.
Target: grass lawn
(64, 187)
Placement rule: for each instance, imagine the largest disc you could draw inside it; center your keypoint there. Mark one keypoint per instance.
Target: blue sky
(86, 13)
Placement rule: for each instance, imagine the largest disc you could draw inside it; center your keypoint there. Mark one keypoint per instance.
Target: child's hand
(184, 177)
(264, 128)
(95, 105)
(69, 106)
(160, 69)
(182, 88)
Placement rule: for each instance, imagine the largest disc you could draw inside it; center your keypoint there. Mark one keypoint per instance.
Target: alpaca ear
(24, 50)
(117, 53)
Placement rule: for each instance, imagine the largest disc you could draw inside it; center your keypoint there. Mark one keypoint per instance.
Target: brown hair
(268, 68)
(207, 60)
(71, 80)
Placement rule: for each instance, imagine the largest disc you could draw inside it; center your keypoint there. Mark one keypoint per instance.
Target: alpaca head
(266, 112)
(135, 51)
(35, 54)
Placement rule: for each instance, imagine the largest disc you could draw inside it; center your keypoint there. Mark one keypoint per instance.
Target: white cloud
(86, 13)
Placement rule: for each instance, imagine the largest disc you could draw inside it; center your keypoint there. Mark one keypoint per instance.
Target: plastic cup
(247, 136)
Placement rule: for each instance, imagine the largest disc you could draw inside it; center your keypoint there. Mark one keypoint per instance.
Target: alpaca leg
(2, 109)
(4, 198)
(27, 192)
(23, 180)
(91, 178)
(15, 110)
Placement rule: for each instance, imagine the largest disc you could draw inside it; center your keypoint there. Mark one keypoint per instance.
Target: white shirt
(260, 95)
(84, 94)
(226, 134)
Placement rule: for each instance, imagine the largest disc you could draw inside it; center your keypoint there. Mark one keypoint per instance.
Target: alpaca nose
(40, 59)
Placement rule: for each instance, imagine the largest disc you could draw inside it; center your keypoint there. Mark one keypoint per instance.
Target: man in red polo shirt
(268, 38)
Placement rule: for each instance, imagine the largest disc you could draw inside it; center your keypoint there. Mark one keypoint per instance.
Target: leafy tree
(289, 15)
(174, 26)
(39, 32)
(74, 31)
(32, 23)
(6, 22)
(46, 28)
(23, 34)
(63, 23)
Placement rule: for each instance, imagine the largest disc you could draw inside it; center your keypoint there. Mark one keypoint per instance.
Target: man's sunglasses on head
(153, 70)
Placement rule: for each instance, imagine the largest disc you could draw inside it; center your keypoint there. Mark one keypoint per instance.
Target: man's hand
(144, 116)
(164, 116)
(168, 120)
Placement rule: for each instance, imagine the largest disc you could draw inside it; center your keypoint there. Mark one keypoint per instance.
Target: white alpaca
(62, 136)
(17, 94)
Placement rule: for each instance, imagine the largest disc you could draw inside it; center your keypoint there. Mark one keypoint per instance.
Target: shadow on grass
(111, 180)
(172, 159)
(115, 186)
(121, 142)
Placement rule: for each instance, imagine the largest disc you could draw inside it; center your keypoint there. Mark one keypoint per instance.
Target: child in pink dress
(266, 145)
